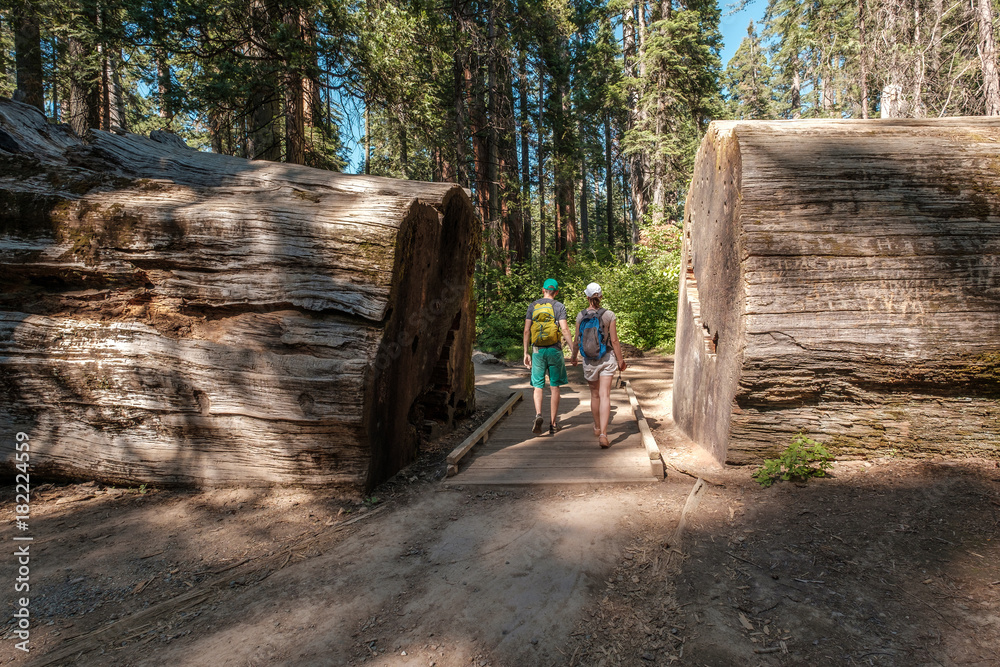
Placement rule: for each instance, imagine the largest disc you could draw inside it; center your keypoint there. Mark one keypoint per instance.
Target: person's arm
(622, 364)
(569, 340)
(527, 334)
(576, 340)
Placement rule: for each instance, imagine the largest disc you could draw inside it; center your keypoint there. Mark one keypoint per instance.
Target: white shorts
(605, 366)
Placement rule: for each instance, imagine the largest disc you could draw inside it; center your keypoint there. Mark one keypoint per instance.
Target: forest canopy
(573, 122)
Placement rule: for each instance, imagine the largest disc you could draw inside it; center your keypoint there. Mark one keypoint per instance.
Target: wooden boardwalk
(514, 455)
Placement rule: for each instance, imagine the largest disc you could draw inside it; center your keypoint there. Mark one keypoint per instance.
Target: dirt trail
(890, 562)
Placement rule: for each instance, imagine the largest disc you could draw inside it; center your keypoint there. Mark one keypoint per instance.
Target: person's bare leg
(595, 405)
(538, 400)
(554, 402)
(605, 392)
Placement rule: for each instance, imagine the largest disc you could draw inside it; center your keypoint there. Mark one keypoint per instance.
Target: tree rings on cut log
(842, 279)
(170, 316)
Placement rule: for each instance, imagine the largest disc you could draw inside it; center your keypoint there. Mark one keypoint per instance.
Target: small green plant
(372, 501)
(804, 458)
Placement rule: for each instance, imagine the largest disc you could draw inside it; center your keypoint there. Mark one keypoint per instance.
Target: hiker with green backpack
(544, 329)
(597, 339)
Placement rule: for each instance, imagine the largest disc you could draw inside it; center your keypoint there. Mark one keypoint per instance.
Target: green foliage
(749, 93)
(642, 295)
(804, 458)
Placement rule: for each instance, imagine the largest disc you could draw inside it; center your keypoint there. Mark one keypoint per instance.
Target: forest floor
(887, 562)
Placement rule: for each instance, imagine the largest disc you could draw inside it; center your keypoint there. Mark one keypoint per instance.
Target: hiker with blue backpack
(597, 340)
(545, 328)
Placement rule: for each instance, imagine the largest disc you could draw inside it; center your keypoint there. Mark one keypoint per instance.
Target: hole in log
(204, 403)
(691, 286)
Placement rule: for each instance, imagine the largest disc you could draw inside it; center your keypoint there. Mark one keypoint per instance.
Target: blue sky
(734, 26)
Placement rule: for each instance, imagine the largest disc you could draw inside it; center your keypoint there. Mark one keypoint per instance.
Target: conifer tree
(747, 79)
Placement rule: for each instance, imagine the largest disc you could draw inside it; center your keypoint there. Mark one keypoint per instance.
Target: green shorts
(550, 359)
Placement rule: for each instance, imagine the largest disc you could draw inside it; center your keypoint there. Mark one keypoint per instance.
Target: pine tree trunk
(264, 140)
(480, 146)
(79, 113)
(210, 320)
(295, 132)
(294, 95)
(609, 183)
(563, 149)
(988, 58)
(404, 147)
(525, 122)
(833, 287)
(56, 101)
(508, 191)
(863, 57)
(636, 171)
(796, 99)
(541, 165)
(117, 101)
(460, 57)
(584, 195)
(28, 54)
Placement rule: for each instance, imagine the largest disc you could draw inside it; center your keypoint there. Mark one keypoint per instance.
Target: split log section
(842, 279)
(176, 317)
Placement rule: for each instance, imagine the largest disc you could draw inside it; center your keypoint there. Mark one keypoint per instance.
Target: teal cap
(551, 285)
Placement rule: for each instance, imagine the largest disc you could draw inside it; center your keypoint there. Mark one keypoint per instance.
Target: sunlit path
(515, 455)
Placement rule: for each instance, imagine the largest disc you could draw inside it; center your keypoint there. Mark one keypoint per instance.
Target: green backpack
(544, 328)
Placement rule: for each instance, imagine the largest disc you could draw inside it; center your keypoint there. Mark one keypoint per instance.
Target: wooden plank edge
(481, 433)
(648, 441)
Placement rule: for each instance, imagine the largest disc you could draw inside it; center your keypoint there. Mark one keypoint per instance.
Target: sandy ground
(888, 562)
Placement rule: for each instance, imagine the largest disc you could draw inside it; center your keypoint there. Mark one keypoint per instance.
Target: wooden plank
(648, 441)
(593, 459)
(520, 476)
(481, 432)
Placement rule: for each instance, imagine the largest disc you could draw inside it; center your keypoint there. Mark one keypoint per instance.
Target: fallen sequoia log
(843, 280)
(176, 317)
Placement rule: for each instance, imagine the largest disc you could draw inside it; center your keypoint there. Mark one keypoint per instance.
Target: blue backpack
(593, 340)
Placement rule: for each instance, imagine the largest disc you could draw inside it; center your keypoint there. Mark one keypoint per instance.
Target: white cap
(593, 289)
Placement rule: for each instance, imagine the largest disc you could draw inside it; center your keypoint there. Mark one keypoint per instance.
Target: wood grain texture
(173, 316)
(864, 303)
(514, 455)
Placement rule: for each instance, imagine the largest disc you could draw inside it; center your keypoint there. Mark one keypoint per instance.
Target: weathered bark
(172, 316)
(842, 280)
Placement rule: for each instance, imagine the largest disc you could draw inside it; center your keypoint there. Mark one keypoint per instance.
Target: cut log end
(841, 280)
(175, 317)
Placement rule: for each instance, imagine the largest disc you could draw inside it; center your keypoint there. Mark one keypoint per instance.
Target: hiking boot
(537, 428)
(555, 426)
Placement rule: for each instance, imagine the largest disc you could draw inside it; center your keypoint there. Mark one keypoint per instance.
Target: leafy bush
(804, 458)
(642, 295)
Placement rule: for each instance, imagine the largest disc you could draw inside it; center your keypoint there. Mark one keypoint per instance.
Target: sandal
(603, 440)
(597, 430)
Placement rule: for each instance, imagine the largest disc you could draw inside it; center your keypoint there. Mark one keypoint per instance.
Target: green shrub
(804, 458)
(642, 295)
